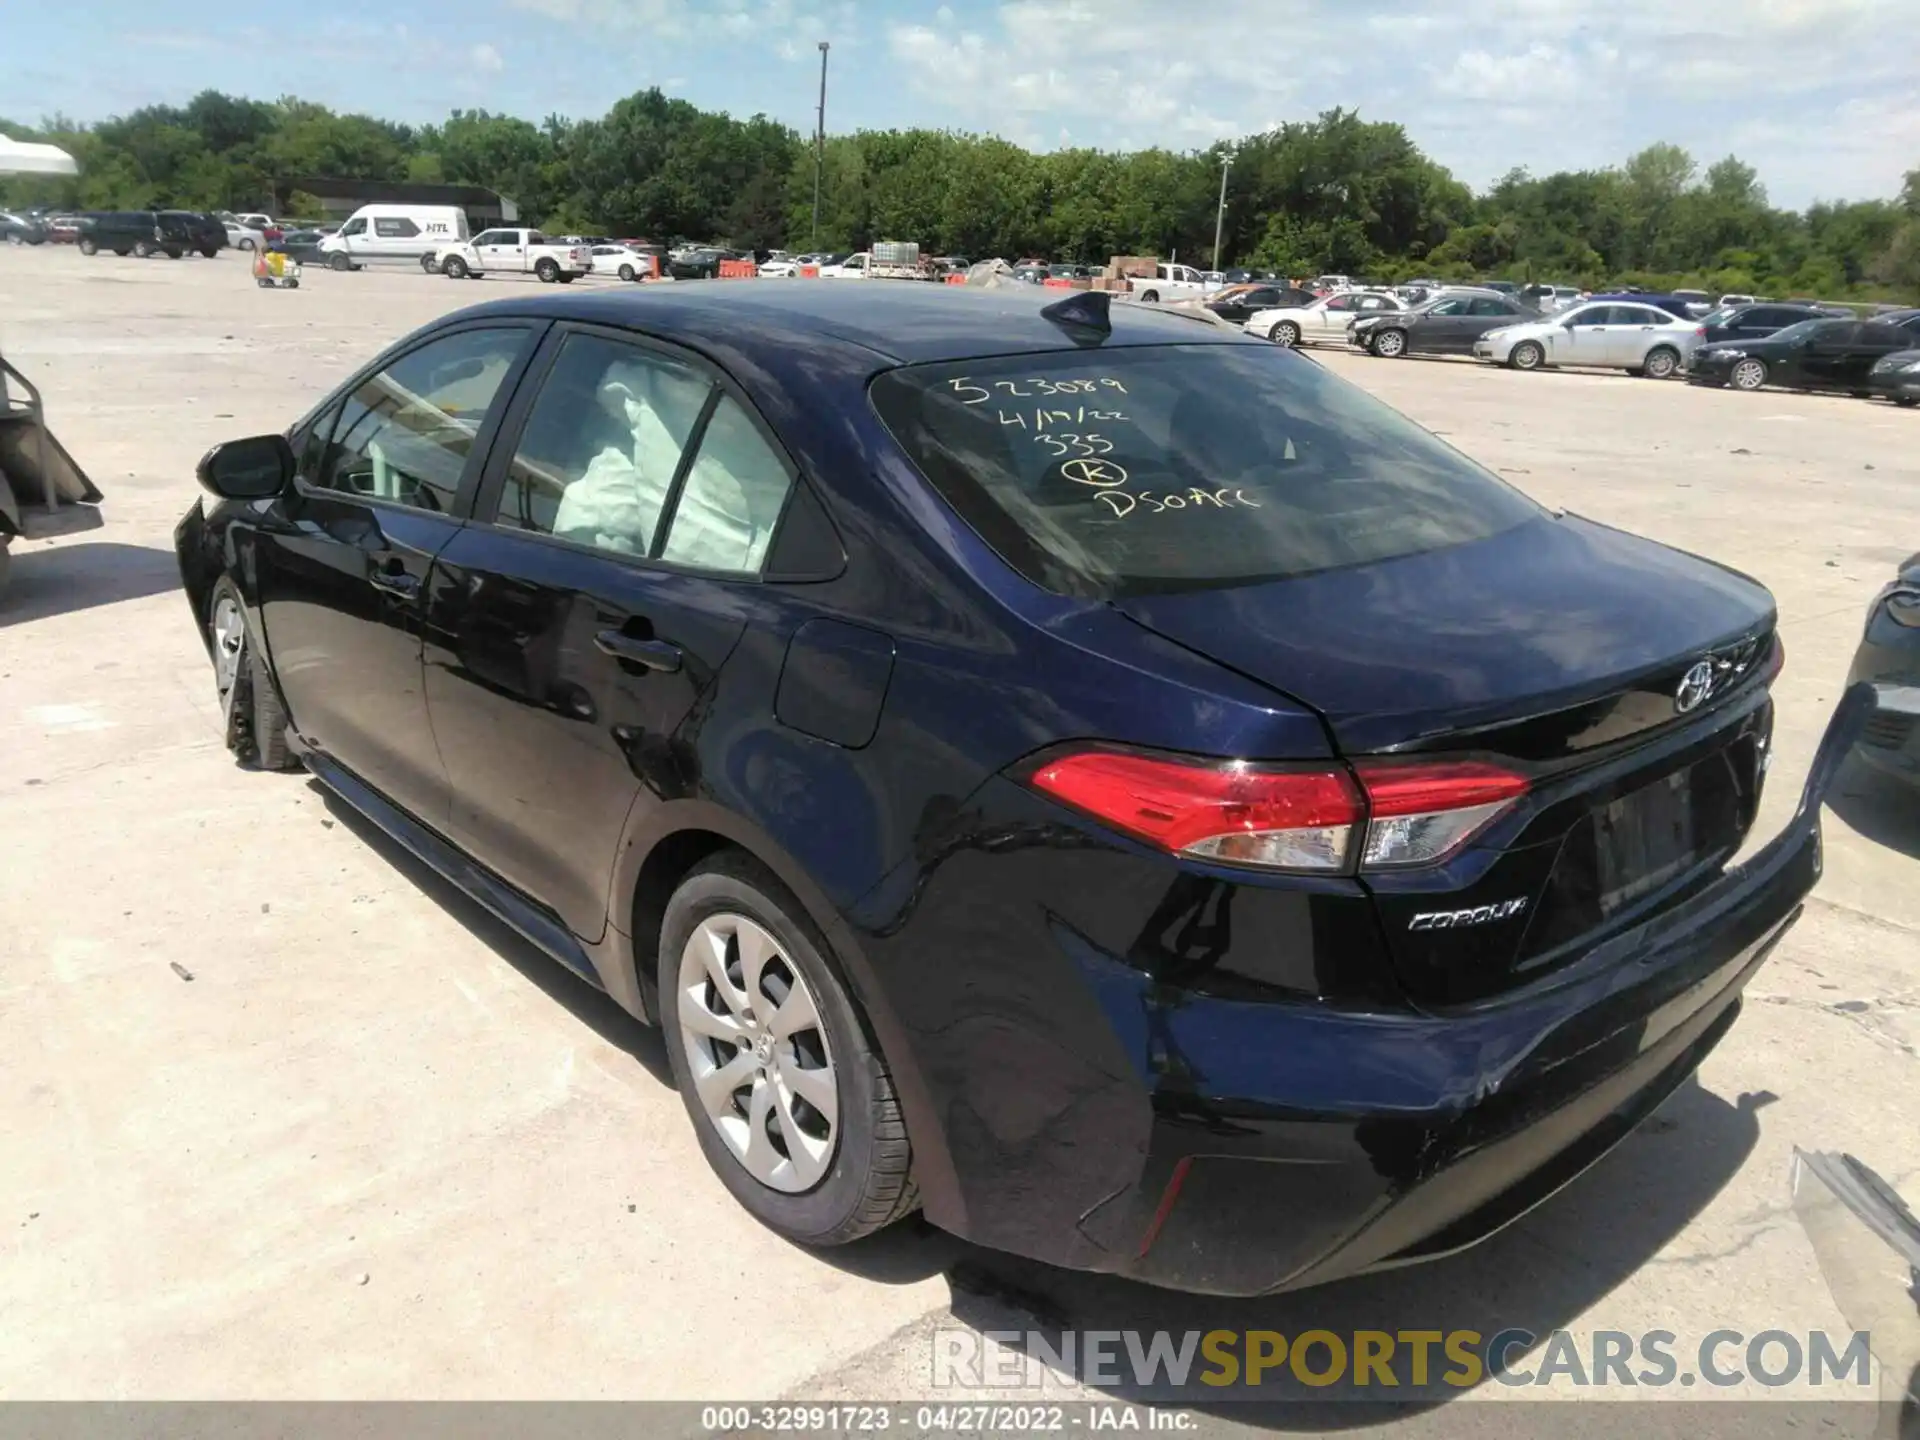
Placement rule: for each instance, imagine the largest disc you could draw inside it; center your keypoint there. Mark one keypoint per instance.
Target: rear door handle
(654, 654)
(397, 583)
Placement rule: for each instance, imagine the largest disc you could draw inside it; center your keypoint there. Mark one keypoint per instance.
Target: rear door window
(1183, 467)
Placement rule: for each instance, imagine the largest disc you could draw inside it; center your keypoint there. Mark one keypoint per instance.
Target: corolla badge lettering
(1695, 687)
(1478, 915)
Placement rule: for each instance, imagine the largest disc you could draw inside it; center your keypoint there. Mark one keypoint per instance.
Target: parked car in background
(62, 228)
(140, 233)
(1698, 302)
(1328, 284)
(1752, 322)
(1548, 298)
(785, 268)
(1325, 319)
(1502, 287)
(1239, 303)
(17, 229)
(300, 245)
(206, 234)
(1448, 324)
(621, 261)
(1613, 335)
(244, 237)
(1889, 654)
(702, 264)
(1827, 354)
(1728, 302)
(1897, 378)
(614, 610)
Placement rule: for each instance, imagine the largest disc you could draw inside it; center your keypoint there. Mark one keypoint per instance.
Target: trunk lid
(1551, 637)
(1561, 649)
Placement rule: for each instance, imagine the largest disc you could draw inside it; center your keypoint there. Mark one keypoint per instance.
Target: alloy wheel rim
(1526, 357)
(229, 638)
(1748, 374)
(761, 1069)
(1660, 365)
(1390, 343)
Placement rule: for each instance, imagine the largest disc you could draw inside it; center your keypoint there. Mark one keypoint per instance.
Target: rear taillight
(1318, 820)
(1701, 331)
(1422, 813)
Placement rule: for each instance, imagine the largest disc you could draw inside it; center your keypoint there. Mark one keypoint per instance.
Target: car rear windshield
(1145, 469)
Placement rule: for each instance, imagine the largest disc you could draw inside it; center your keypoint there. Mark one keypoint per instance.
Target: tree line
(1335, 193)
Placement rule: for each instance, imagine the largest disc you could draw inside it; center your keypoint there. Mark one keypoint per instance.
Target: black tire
(256, 721)
(293, 284)
(428, 265)
(263, 282)
(1661, 363)
(174, 252)
(340, 262)
(6, 567)
(547, 270)
(626, 272)
(1906, 402)
(1388, 344)
(88, 245)
(869, 1181)
(1152, 297)
(209, 252)
(1285, 333)
(1748, 373)
(1527, 355)
(246, 242)
(455, 268)
(142, 249)
(1861, 394)
(567, 279)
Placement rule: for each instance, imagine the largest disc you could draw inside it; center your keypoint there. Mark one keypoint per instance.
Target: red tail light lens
(1422, 813)
(1287, 819)
(1278, 819)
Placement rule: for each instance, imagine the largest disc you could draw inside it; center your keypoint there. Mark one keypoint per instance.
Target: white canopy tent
(20, 157)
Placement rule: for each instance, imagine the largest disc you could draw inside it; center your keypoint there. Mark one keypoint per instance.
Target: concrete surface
(375, 1147)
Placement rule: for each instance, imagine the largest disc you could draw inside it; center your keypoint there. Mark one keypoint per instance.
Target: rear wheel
(1388, 344)
(547, 270)
(87, 246)
(1152, 297)
(1527, 355)
(209, 251)
(1285, 333)
(1906, 402)
(256, 723)
(626, 272)
(1748, 374)
(246, 242)
(341, 262)
(1660, 363)
(142, 249)
(455, 268)
(793, 1105)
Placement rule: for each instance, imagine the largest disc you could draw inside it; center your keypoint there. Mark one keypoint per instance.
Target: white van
(393, 234)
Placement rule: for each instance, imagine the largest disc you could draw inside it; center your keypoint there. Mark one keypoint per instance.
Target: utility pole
(1220, 216)
(819, 144)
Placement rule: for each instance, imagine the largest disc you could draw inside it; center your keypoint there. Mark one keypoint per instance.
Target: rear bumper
(1232, 1144)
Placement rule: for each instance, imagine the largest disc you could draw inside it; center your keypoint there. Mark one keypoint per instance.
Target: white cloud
(486, 59)
(1491, 84)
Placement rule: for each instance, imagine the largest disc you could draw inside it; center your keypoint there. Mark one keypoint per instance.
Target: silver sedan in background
(1604, 334)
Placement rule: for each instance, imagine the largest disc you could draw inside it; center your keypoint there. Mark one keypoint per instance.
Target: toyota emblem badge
(1695, 686)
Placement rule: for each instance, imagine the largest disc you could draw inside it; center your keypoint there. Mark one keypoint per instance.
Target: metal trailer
(43, 491)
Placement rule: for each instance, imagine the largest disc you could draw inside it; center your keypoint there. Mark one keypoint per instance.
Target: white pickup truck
(893, 261)
(510, 252)
(1171, 282)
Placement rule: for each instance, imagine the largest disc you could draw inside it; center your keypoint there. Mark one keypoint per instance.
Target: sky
(1821, 96)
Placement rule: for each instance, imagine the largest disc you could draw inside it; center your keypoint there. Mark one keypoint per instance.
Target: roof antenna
(1084, 310)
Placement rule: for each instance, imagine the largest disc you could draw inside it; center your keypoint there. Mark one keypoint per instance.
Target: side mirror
(256, 468)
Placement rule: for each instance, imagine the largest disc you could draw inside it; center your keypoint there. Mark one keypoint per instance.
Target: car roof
(901, 320)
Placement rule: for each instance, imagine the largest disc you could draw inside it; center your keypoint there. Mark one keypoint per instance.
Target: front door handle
(397, 583)
(654, 654)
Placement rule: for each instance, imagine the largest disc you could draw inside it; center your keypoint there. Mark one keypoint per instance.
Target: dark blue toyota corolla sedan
(1096, 778)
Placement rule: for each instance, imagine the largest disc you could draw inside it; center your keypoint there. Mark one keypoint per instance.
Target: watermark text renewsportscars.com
(1377, 1361)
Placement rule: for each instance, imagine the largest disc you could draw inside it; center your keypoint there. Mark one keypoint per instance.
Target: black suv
(137, 232)
(204, 233)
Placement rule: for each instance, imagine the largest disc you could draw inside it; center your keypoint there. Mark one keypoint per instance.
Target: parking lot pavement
(374, 1146)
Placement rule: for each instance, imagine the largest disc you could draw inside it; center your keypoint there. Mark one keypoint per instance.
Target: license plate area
(1645, 839)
